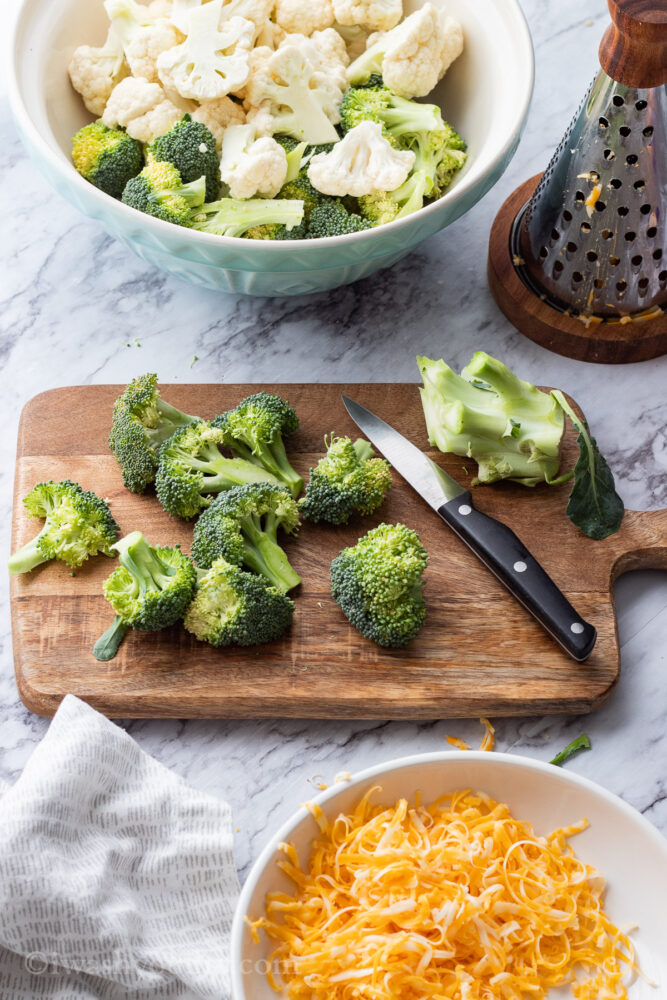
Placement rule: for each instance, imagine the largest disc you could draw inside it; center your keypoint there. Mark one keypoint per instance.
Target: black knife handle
(507, 557)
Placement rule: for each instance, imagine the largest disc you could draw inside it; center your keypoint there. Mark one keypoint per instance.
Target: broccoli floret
(349, 479)
(141, 422)
(254, 430)
(508, 426)
(191, 468)
(159, 191)
(302, 190)
(389, 205)
(78, 524)
(235, 217)
(150, 590)
(277, 232)
(190, 147)
(106, 157)
(242, 525)
(378, 584)
(331, 218)
(232, 607)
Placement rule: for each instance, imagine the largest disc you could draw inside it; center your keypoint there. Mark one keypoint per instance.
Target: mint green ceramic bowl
(485, 96)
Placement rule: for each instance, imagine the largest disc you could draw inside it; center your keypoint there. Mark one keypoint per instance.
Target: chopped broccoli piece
(508, 426)
(349, 479)
(78, 524)
(191, 468)
(190, 147)
(242, 525)
(576, 746)
(106, 157)
(331, 218)
(141, 422)
(302, 190)
(235, 217)
(378, 584)
(254, 430)
(232, 607)
(150, 590)
(159, 191)
(439, 150)
(389, 205)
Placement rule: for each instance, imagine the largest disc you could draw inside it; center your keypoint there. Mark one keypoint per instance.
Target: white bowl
(624, 847)
(485, 96)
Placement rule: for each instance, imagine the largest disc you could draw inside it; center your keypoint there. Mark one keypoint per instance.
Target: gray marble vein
(76, 307)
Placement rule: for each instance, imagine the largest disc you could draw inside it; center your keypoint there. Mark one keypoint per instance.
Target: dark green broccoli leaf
(576, 746)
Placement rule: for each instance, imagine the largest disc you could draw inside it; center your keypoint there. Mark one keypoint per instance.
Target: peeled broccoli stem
(263, 554)
(273, 457)
(143, 563)
(108, 643)
(29, 556)
(220, 473)
(234, 217)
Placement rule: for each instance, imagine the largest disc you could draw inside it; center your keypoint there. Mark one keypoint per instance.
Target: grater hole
(645, 209)
(579, 197)
(625, 131)
(657, 254)
(636, 260)
(652, 231)
(558, 267)
(592, 256)
(614, 261)
(615, 183)
(555, 235)
(598, 283)
(642, 283)
(607, 234)
(648, 131)
(567, 216)
(609, 154)
(572, 247)
(630, 236)
(604, 122)
(585, 228)
(662, 276)
(640, 105)
(577, 276)
(621, 287)
(544, 252)
(618, 101)
(632, 159)
(600, 205)
(623, 210)
(638, 185)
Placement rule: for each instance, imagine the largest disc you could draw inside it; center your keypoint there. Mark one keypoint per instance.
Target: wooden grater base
(604, 343)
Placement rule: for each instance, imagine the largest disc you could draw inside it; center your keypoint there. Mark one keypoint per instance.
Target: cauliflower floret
(355, 39)
(364, 162)
(141, 108)
(94, 72)
(257, 11)
(374, 15)
(297, 90)
(270, 35)
(304, 18)
(212, 62)
(161, 8)
(143, 35)
(217, 115)
(251, 166)
(414, 55)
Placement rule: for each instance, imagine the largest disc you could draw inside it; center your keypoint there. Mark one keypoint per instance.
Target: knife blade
(496, 545)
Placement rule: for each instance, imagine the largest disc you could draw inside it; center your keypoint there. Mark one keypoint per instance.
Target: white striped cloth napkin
(117, 880)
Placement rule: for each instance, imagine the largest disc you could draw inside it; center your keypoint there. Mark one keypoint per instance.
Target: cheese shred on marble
(456, 900)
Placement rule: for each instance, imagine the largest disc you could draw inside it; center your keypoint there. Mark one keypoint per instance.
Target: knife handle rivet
(577, 628)
(465, 508)
(520, 567)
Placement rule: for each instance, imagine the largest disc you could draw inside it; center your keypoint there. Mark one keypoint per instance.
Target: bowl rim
(266, 248)
(267, 854)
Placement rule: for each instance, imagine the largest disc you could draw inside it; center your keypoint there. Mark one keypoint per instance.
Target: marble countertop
(76, 307)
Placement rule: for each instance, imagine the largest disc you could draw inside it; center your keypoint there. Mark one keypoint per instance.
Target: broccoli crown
(378, 584)
(509, 427)
(159, 191)
(236, 217)
(331, 218)
(232, 607)
(439, 150)
(389, 205)
(302, 190)
(141, 422)
(78, 524)
(349, 479)
(106, 157)
(254, 431)
(242, 525)
(190, 147)
(153, 585)
(191, 468)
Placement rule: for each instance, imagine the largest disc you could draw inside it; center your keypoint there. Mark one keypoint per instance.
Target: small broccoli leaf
(594, 505)
(576, 746)
(107, 645)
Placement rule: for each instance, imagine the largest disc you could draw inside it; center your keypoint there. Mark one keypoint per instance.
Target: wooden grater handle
(633, 50)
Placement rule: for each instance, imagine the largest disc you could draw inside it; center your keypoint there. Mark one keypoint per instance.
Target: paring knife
(492, 541)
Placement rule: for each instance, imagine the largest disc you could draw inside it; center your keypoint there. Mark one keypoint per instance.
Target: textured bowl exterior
(226, 264)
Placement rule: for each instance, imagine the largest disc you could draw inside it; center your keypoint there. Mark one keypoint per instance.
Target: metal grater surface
(592, 239)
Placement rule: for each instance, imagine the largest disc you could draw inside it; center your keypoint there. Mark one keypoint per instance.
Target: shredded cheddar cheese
(489, 740)
(454, 741)
(456, 900)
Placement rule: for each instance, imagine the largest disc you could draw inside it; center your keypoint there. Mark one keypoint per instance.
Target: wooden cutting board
(479, 652)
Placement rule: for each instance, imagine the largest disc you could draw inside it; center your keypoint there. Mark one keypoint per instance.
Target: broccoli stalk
(377, 584)
(150, 590)
(142, 421)
(191, 468)
(242, 525)
(234, 607)
(349, 479)
(508, 426)
(78, 524)
(234, 217)
(254, 431)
